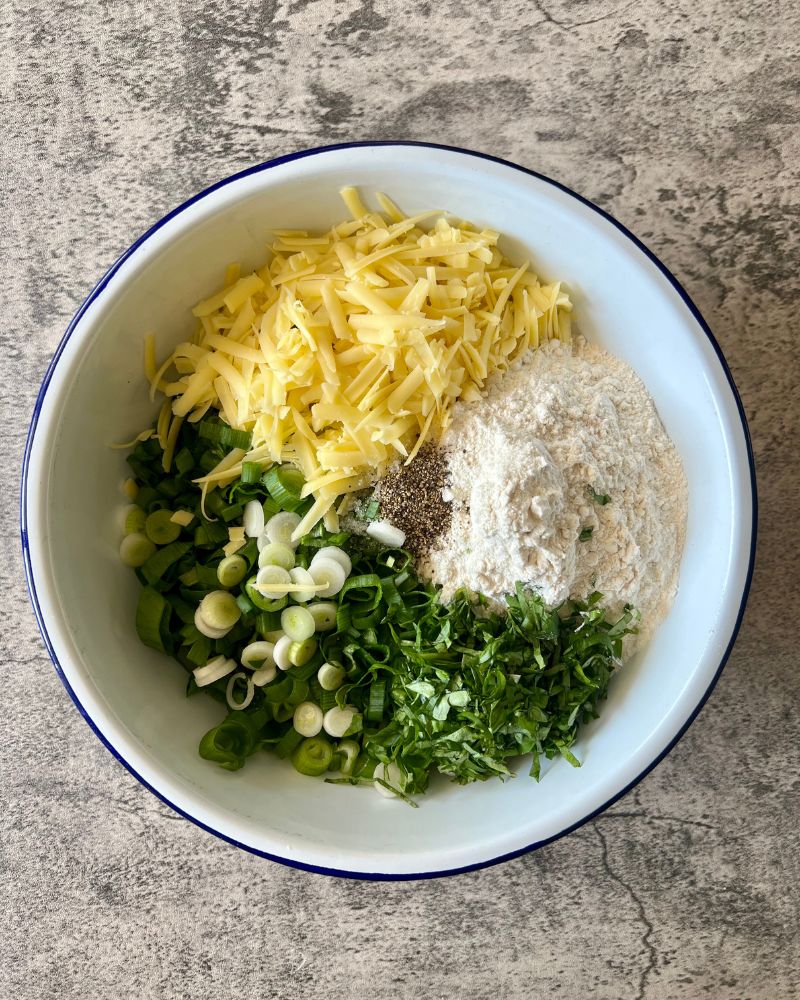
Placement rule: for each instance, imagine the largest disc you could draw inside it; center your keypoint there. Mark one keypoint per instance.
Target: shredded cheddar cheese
(347, 350)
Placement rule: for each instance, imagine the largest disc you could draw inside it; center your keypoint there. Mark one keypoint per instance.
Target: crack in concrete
(658, 818)
(649, 947)
(548, 17)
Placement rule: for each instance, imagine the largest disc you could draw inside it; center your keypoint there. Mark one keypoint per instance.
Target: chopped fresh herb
(426, 686)
(372, 510)
(586, 534)
(599, 498)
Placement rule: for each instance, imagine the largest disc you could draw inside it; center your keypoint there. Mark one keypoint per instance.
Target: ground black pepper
(410, 497)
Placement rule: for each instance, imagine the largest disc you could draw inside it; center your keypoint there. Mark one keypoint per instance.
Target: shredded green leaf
(599, 498)
(459, 688)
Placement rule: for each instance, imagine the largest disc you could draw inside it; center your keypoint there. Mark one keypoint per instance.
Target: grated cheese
(347, 349)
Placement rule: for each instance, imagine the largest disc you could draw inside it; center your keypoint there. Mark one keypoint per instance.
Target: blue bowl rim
(97, 290)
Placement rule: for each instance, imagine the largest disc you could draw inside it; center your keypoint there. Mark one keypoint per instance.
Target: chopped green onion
(152, 618)
(372, 510)
(256, 654)
(282, 712)
(349, 751)
(135, 519)
(280, 527)
(337, 554)
(265, 602)
(159, 562)
(327, 700)
(301, 652)
(251, 472)
(328, 574)
(285, 484)
(298, 623)
(160, 528)
(214, 671)
(324, 615)
(199, 651)
(307, 719)
(146, 496)
(235, 704)
(219, 609)
(276, 554)
(231, 571)
(279, 691)
(377, 701)
(288, 743)
(281, 652)
(330, 676)
(136, 549)
(339, 722)
(222, 434)
(184, 462)
(313, 756)
(389, 780)
(253, 519)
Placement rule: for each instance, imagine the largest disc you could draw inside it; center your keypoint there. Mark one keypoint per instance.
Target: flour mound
(520, 464)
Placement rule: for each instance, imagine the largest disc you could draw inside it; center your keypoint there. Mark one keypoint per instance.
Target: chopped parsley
(599, 498)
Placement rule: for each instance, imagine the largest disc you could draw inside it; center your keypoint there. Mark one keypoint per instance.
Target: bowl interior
(97, 396)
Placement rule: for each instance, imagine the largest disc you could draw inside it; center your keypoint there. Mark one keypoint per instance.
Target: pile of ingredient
(331, 652)
(564, 478)
(413, 498)
(347, 349)
(507, 503)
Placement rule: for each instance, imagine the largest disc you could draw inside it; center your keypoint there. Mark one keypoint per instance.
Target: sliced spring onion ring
(387, 534)
(297, 623)
(392, 775)
(219, 610)
(232, 570)
(301, 652)
(307, 719)
(330, 676)
(276, 578)
(276, 554)
(253, 519)
(303, 578)
(279, 528)
(328, 573)
(280, 653)
(337, 721)
(324, 615)
(134, 520)
(233, 704)
(349, 750)
(284, 483)
(265, 675)
(160, 528)
(337, 554)
(258, 655)
(214, 670)
(136, 549)
(313, 756)
(205, 629)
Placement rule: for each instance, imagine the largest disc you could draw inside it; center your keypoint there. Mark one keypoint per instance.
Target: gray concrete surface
(680, 118)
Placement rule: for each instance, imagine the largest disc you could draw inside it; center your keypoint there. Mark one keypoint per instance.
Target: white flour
(521, 462)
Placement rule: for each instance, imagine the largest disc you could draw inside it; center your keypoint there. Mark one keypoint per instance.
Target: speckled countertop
(681, 119)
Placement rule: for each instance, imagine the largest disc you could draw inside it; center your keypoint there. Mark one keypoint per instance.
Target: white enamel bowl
(94, 395)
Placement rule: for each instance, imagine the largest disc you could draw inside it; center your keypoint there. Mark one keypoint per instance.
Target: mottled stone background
(679, 117)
